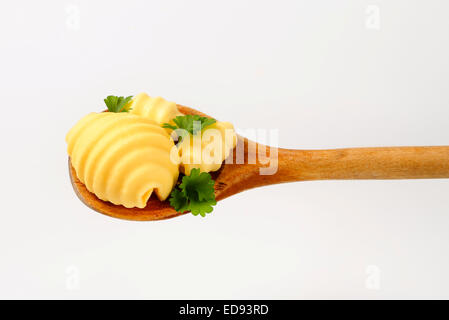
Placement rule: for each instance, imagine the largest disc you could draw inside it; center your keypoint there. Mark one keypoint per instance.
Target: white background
(327, 74)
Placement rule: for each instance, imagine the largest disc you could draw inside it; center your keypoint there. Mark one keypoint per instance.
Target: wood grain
(293, 165)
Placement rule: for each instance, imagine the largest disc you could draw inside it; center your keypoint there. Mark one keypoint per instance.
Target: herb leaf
(186, 122)
(118, 104)
(179, 201)
(195, 194)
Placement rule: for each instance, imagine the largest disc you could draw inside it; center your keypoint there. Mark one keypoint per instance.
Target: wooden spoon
(293, 165)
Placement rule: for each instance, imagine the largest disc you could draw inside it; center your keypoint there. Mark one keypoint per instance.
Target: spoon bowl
(155, 209)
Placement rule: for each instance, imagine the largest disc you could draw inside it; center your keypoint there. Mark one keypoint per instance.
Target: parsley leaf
(195, 194)
(186, 122)
(179, 201)
(118, 104)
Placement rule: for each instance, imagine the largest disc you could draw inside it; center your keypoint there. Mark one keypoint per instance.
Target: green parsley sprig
(118, 104)
(195, 194)
(187, 123)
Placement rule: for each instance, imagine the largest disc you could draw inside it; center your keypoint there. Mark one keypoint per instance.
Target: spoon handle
(362, 163)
